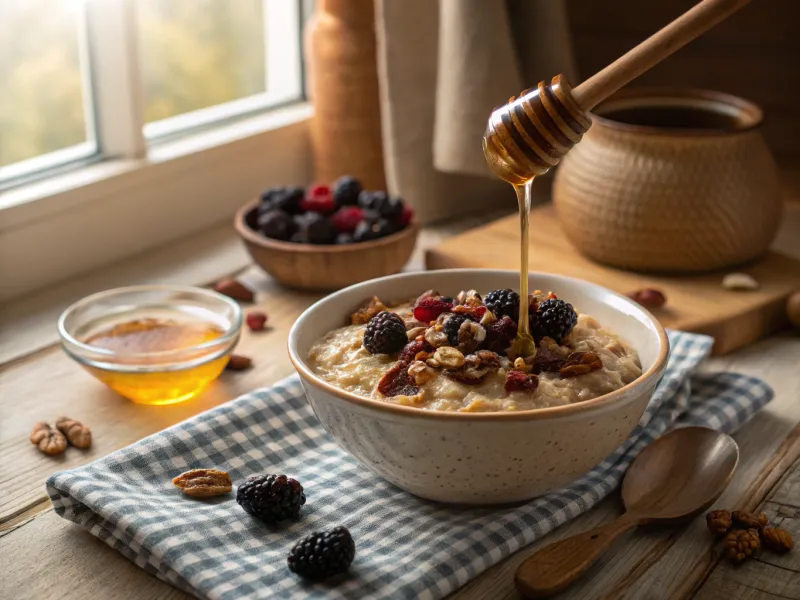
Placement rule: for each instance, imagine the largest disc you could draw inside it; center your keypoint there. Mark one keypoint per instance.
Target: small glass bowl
(168, 375)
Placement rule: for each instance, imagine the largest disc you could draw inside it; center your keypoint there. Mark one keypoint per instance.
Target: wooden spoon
(530, 134)
(675, 478)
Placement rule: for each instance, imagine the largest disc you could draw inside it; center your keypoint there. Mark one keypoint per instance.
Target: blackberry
(503, 303)
(271, 497)
(385, 334)
(286, 199)
(554, 318)
(388, 207)
(346, 191)
(452, 325)
(314, 228)
(322, 554)
(372, 228)
(276, 224)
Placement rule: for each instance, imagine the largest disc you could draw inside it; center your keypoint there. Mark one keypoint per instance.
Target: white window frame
(148, 192)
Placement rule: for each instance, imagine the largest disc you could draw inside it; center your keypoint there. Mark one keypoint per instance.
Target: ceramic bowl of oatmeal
(429, 388)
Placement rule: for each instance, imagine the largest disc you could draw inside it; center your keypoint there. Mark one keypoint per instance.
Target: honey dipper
(530, 134)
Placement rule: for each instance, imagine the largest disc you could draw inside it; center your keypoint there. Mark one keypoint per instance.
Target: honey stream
(524, 344)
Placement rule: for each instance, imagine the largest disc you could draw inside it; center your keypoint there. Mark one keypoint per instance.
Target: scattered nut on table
(76, 432)
(750, 520)
(740, 544)
(239, 362)
(234, 289)
(48, 439)
(203, 483)
(777, 540)
(648, 297)
(739, 282)
(719, 521)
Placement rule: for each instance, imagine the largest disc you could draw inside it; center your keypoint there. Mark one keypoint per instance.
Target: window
(84, 79)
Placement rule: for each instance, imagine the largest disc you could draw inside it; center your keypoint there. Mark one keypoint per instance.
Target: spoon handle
(556, 566)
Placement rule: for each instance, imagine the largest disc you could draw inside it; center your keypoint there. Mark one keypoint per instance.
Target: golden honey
(146, 373)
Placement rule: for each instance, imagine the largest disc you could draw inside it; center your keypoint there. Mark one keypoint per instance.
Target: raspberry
(500, 334)
(517, 381)
(318, 199)
(256, 321)
(346, 219)
(271, 497)
(503, 302)
(323, 554)
(385, 334)
(554, 318)
(428, 308)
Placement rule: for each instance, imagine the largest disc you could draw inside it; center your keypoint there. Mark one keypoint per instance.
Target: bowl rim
(228, 336)
(747, 112)
(654, 372)
(249, 235)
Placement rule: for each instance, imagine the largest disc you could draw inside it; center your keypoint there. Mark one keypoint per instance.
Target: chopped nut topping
(416, 332)
(520, 364)
(580, 363)
(421, 373)
(470, 298)
(365, 313)
(435, 338)
(470, 336)
(488, 318)
(449, 357)
(203, 483)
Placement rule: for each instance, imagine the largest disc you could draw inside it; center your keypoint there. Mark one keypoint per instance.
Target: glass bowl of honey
(154, 344)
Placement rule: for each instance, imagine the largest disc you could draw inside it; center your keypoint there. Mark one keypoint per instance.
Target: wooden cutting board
(696, 303)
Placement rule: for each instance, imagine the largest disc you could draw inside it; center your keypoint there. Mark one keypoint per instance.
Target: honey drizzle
(523, 345)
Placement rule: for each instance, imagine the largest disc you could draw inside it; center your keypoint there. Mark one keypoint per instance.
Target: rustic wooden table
(45, 557)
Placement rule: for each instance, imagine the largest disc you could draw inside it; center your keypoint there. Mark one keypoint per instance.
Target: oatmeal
(458, 354)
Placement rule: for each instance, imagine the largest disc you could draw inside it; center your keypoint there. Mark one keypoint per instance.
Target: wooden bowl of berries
(327, 237)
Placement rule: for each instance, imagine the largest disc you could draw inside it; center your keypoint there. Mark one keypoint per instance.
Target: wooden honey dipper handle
(691, 24)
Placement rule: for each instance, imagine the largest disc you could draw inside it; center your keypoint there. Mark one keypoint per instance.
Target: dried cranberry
(256, 321)
(500, 334)
(517, 381)
(428, 308)
(345, 219)
(411, 349)
(397, 382)
(318, 199)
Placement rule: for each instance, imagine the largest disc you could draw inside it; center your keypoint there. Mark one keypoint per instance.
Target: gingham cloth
(405, 547)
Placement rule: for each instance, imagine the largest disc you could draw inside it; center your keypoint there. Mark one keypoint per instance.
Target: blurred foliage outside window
(194, 54)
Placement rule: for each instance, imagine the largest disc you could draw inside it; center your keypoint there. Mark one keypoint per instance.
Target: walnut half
(48, 439)
(76, 432)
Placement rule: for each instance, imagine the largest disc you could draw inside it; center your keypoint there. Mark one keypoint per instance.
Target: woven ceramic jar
(670, 180)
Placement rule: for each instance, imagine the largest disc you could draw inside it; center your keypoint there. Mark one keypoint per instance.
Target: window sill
(75, 222)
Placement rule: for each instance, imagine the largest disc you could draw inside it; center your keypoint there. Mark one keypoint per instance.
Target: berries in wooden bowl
(327, 237)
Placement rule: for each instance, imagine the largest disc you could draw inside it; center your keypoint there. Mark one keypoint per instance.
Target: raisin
(397, 382)
(517, 381)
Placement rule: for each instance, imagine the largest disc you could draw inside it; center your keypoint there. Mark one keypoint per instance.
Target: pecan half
(580, 363)
(203, 483)
(749, 520)
(777, 540)
(234, 289)
(48, 439)
(76, 432)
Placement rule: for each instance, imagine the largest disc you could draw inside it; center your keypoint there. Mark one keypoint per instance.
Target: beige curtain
(443, 65)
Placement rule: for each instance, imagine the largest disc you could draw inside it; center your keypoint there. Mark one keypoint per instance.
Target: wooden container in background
(670, 180)
(342, 81)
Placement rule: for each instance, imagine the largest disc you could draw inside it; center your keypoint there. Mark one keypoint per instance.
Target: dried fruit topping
(271, 497)
(365, 313)
(397, 382)
(322, 554)
(346, 219)
(76, 432)
(239, 362)
(256, 321)
(203, 483)
(580, 363)
(554, 318)
(503, 303)
(428, 308)
(740, 544)
(517, 381)
(777, 540)
(449, 357)
(719, 521)
(318, 199)
(48, 439)
(648, 297)
(412, 348)
(500, 334)
(749, 520)
(421, 373)
(234, 289)
(385, 333)
(550, 357)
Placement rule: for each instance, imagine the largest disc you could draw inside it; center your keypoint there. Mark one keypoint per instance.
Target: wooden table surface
(46, 557)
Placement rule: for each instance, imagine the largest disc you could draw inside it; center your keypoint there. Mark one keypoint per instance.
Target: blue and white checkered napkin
(405, 547)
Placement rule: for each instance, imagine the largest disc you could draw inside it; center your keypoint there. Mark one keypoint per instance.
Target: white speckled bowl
(480, 458)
